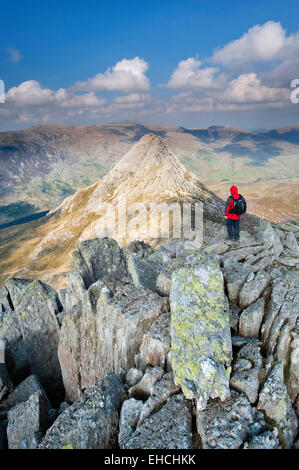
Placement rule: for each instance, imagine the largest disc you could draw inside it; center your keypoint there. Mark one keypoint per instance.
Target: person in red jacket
(232, 219)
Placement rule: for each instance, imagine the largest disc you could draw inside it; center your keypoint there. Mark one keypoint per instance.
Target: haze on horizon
(186, 62)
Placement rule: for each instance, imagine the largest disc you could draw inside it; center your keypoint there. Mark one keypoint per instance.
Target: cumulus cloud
(189, 74)
(265, 42)
(14, 55)
(126, 75)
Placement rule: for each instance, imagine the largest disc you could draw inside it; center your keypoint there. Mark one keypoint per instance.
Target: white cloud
(265, 42)
(189, 74)
(14, 55)
(127, 75)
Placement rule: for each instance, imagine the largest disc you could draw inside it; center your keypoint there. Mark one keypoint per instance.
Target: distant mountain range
(42, 165)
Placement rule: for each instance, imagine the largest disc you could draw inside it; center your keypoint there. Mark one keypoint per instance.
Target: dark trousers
(233, 228)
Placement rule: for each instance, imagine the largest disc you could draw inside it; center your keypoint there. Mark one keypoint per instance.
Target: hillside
(148, 173)
(42, 165)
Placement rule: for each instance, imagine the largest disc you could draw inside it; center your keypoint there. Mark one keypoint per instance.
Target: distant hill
(42, 165)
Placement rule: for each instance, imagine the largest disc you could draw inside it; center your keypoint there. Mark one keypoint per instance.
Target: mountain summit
(148, 173)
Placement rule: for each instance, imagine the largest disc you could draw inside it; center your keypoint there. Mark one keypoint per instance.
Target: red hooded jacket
(230, 203)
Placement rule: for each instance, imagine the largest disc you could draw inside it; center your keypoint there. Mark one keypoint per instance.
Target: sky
(192, 63)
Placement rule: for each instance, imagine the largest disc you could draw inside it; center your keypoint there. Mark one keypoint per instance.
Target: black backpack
(239, 206)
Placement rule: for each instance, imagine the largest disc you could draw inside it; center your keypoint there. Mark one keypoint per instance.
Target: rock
(62, 407)
(108, 333)
(252, 290)
(133, 376)
(161, 390)
(143, 389)
(23, 392)
(14, 287)
(291, 242)
(292, 381)
(270, 238)
(27, 422)
(36, 312)
(246, 381)
(239, 341)
(251, 319)
(15, 351)
(100, 258)
(245, 377)
(75, 292)
(128, 420)
(280, 319)
(69, 353)
(92, 421)
(234, 314)
(225, 425)
(168, 428)
(235, 275)
(266, 440)
(163, 282)
(217, 248)
(144, 264)
(276, 404)
(155, 345)
(200, 331)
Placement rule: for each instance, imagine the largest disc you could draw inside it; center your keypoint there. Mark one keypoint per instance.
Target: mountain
(42, 165)
(148, 173)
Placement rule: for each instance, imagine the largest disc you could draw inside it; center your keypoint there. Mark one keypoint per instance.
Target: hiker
(234, 208)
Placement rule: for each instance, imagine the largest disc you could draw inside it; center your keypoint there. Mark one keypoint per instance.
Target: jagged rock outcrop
(92, 421)
(168, 428)
(200, 331)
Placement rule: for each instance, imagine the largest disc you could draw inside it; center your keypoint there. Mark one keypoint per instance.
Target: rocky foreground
(177, 347)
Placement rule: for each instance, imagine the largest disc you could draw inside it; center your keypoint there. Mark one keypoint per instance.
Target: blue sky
(182, 62)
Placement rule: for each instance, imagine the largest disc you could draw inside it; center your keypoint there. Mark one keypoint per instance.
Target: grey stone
(129, 415)
(27, 422)
(155, 344)
(92, 421)
(225, 425)
(266, 440)
(100, 258)
(200, 358)
(161, 391)
(144, 264)
(291, 242)
(168, 428)
(235, 275)
(37, 311)
(252, 290)
(23, 391)
(143, 389)
(251, 319)
(276, 404)
(133, 376)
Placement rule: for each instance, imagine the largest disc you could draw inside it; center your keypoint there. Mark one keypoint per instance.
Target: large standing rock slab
(168, 428)
(201, 347)
(98, 259)
(37, 311)
(276, 404)
(27, 423)
(92, 421)
(235, 275)
(252, 290)
(225, 425)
